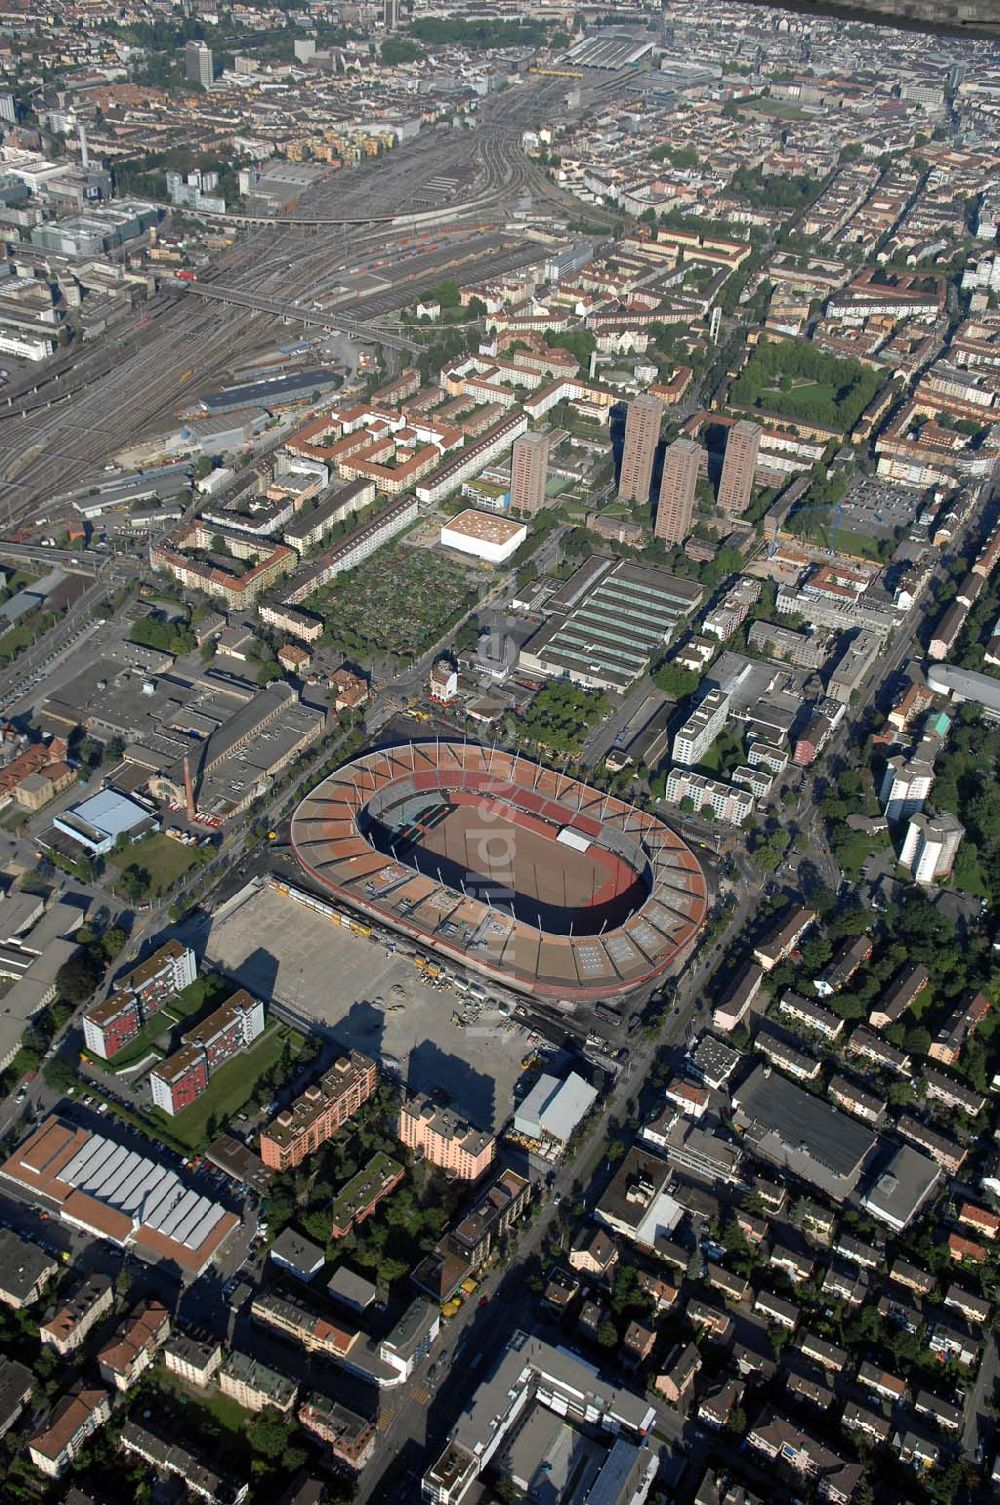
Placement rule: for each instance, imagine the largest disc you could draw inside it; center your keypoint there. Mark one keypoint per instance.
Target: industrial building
(504, 1425)
(788, 1126)
(98, 822)
(116, 1193)
(554, 1109)
(608, 621)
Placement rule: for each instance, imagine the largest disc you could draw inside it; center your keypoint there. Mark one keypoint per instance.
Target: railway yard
(352, 247)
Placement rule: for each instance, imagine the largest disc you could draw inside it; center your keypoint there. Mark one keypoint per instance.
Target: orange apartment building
(443, 1139)
(318, 1114)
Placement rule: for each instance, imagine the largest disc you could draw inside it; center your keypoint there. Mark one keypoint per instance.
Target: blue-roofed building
(552, 1109)
(96, 823)
(274, 392)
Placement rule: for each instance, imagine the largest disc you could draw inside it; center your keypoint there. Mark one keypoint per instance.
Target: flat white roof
(486, 527)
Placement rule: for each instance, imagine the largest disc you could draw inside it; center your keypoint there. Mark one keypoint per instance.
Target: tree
(135, 883)
(676, 681)
(113, 942)
(917, 1041)
(59, 1075)
(78, 977)
(269, 1434)
(607, 1334)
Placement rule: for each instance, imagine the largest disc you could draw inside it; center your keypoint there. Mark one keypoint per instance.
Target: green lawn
(231, 1086)
(798, 382)
(20, 637)
(162, 858)
(821, 530)
(229, 1414)
(784, 108)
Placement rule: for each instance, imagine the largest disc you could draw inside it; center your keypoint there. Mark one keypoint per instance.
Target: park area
(148, 868)
(791, 379)
(397, 603)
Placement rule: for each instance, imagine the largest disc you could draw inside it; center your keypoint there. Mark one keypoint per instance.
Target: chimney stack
(188, 788)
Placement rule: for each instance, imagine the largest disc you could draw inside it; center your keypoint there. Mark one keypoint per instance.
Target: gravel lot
(372, 1001)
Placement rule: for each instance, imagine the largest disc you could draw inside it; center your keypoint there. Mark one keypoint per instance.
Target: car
(557, 1199)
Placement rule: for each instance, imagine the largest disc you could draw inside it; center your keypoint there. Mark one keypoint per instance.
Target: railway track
(59, 429)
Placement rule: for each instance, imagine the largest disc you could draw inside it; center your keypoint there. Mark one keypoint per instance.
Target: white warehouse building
(484, 535)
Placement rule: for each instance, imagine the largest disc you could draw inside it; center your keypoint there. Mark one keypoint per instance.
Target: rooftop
(485, 527)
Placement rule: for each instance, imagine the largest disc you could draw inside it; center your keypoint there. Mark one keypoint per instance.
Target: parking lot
(372, 1000)
(878, 509)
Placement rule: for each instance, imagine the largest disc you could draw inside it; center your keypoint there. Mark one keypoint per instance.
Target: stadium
(516, 872)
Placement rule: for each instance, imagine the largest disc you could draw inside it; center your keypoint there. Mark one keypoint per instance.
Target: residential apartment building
(176, 1082)
(25, 1270)
(783, 938)
(358, 1199)
(439, 1136)
(16, 1385)
(161, 976)
(728, 803)
(529, 471)
(195, 1475)
(675, 506)
(642, 434)
(135, 1345)
(775, 1437)
(319, 1113)
(931, 845)
(739, 466)
(498, 1209)
(108, 1026)
(349, 1437)
(951, 1037)
(255, 1386)
(805, 650)
(191, 1360)
(199, 67)
(67, 1430)
(906, 785)
(301, 1324)
(470, 460)
(695, 737)
(72, 1319)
